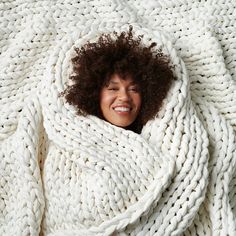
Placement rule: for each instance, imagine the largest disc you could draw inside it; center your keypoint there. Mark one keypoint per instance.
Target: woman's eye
(113, 89)
(134, 89)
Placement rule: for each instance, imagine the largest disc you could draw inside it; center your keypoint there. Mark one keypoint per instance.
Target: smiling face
(120, 101)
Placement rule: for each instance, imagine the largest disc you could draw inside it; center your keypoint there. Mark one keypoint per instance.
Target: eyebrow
(113, 82)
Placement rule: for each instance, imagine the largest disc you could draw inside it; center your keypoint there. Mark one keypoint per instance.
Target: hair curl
(122, 54)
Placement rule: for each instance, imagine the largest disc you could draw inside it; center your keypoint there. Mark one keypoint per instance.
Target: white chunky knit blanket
(61, 174)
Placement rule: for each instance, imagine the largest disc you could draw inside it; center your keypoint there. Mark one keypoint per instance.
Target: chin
(123, 125)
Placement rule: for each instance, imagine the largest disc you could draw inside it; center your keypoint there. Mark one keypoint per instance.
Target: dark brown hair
(121, 54)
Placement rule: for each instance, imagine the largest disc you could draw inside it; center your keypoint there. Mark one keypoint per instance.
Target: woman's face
(120, 101)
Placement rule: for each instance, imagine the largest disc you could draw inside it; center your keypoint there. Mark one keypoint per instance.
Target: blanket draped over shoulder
(62, 174)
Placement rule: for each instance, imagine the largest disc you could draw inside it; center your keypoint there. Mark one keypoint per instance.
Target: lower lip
(122, 112)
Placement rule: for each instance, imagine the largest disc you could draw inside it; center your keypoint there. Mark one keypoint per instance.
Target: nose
(124, 96)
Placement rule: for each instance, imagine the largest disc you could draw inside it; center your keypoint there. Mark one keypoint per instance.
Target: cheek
(138, 101)
(106, 100)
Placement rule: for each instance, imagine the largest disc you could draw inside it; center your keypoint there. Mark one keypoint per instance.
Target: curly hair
(122, 54)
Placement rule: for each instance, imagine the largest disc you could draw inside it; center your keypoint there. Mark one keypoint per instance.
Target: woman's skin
(120, 101)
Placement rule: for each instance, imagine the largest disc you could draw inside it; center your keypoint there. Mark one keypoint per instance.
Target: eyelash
(113, 89)
(134, 89)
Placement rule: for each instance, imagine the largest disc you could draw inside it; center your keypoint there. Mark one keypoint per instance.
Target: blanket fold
(22, 200)
(63, 174)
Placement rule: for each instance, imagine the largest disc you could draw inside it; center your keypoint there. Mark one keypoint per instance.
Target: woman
(106, 170)
(120, 80)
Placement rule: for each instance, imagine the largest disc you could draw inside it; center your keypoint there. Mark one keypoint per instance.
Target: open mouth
(122, 109)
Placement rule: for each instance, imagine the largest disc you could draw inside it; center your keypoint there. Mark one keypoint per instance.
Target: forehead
(116, 79)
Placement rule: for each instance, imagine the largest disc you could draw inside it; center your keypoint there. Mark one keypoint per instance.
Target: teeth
(122, 109)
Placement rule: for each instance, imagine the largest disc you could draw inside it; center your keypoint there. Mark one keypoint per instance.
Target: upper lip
(125, 105)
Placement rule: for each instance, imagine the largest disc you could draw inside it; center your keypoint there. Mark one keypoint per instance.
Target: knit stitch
(64, 174)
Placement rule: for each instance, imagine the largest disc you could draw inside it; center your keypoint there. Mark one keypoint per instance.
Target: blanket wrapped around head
(100, 179)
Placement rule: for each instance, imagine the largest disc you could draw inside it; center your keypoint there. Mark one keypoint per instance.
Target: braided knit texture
(66, 175)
